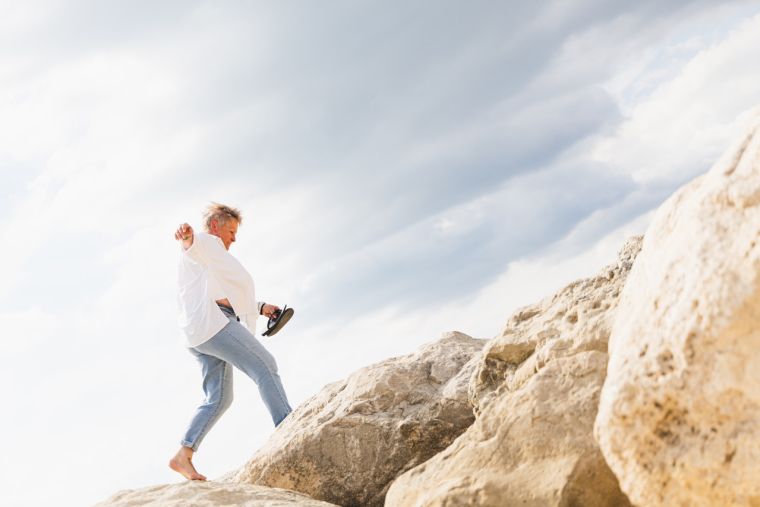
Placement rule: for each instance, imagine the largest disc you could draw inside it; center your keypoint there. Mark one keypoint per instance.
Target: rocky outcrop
(536, 392)
(209, 494)
(346, 444)
(679, 420)
(639, 385)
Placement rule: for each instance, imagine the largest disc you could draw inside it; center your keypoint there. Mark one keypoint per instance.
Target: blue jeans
(235, 346)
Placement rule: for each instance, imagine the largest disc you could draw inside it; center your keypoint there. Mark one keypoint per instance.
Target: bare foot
(181, 462)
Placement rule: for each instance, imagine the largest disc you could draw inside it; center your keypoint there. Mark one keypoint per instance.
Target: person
(215, 293)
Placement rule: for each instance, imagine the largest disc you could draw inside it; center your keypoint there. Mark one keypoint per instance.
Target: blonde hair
(221, 213)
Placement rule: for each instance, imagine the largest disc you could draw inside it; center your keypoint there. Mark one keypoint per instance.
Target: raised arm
(184, 233)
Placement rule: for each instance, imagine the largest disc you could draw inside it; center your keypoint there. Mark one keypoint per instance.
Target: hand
(269, 310)
(185, 233)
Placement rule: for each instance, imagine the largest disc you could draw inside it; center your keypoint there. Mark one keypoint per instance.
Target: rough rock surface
(208, 494)
(346, 444)
(679, 419)
(536, 393)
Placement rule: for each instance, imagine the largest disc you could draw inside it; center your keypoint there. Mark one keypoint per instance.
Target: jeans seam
(218, 407)
(271, 374)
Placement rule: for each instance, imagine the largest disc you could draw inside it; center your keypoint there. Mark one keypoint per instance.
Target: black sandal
(278, 320)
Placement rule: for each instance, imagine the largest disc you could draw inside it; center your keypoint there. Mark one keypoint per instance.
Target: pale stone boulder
(346, 444)
(210, 494)
(536, 392)
(679, 419)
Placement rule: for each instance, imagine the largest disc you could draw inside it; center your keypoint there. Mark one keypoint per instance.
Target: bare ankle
(186, 451)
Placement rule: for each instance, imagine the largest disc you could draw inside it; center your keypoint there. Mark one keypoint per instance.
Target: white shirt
(208, 272)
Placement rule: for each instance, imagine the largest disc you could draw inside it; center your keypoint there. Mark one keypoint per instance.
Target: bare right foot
(182, 463)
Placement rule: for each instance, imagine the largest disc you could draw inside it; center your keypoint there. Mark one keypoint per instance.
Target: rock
(209, 494)
(679, 419)
(346, 444)
(536, 392)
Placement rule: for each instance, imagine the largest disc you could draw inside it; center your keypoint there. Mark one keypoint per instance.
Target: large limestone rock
(679, 420)
(536, 392)
(209, 494)
(346, 444)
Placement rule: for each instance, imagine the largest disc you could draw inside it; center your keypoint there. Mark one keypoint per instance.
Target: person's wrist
(261, 310)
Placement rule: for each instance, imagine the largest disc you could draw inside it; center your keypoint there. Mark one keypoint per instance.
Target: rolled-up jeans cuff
(192, 446)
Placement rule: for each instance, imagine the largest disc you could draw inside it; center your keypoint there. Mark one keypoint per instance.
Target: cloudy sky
(404, 169)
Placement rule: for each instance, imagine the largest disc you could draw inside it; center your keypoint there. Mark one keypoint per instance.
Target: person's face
(226, 232)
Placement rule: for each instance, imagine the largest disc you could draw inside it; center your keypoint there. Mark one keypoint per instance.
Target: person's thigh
(236, 344)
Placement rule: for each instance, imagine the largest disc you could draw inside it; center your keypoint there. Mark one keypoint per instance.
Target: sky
(404, 169)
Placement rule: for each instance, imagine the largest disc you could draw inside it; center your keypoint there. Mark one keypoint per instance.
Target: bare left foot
(182, 463)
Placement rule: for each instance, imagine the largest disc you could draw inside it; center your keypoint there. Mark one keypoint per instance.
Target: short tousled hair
(221, 213)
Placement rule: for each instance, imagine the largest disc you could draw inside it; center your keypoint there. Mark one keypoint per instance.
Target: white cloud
(681, 128)
(355, 145)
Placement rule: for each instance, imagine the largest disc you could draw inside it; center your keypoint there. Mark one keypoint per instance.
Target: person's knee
(225, 403)
(221, 401)
(226, 400)
(263, 371)
(269, 362)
